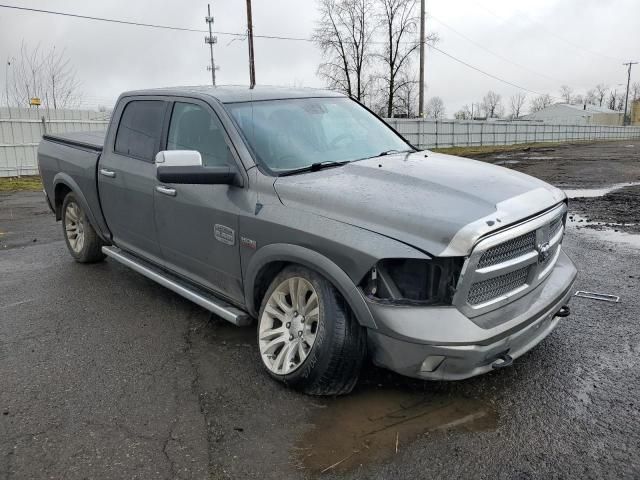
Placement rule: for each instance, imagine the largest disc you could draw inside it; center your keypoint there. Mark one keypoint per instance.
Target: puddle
(597, 192)
(508, 162)
(604, 231)
(375, 425)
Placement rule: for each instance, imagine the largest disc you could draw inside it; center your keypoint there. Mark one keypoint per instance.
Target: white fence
(22, 129)
(454, 133)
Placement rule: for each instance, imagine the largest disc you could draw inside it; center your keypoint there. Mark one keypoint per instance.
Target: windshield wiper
(387, 152)
(314, 167)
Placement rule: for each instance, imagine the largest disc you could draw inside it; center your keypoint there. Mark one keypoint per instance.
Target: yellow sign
(34, 102)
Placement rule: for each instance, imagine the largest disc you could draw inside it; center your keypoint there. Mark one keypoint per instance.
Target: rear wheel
(82, 240)
(307, 335)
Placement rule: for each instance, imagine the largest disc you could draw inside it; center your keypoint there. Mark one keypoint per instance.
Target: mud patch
(597, 192)
(615, 211)
(372, 426)
(607, 231)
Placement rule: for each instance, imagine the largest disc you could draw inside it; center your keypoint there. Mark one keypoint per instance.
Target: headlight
(411, 281)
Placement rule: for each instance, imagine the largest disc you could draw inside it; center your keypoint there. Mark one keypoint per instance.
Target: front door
(197, 225)
(127, 176)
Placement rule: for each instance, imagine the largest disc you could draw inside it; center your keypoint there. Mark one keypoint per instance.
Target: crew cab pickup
(302, 210)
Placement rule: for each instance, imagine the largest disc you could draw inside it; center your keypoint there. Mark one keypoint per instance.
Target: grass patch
(480, 151)
(21, 184)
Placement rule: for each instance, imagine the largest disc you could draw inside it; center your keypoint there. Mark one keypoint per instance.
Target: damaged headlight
(411, 281)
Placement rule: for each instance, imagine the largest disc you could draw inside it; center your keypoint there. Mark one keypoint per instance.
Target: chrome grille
(486, 290)
(554, 227)
(509, 263)
(508, 250)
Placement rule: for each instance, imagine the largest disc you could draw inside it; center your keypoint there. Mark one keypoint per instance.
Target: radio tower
(211, 40)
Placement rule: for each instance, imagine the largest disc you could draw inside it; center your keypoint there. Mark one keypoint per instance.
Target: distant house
(635, 112)
(566, 114)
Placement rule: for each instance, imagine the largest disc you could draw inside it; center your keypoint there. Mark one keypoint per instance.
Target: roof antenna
(252, 68)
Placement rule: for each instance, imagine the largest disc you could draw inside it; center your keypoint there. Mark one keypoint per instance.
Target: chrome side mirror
(179, 158)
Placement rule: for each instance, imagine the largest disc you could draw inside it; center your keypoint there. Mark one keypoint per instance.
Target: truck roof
(237, 93)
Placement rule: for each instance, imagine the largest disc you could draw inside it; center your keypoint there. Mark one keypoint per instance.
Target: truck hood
(438, 203)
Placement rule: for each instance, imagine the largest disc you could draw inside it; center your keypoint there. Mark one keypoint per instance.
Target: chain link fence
(472, 133)
(21, 130)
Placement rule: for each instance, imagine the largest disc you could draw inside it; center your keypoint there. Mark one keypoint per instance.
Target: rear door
(198, 224)
(127, 175)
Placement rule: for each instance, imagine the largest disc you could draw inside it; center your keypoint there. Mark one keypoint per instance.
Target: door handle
(107, 173)
(166, 190)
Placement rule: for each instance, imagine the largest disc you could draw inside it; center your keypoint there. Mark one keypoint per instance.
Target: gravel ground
(104, 374)
(586, 170)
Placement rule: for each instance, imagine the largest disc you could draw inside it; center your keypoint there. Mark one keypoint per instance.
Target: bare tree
(344, 34)
(517, 102)
(399, 22)
(435, 108)
(540, 102)
(463, 114)
(407, 96)
(635, 91)
(577, 99)
(601, 92)
(591, 97)
(566, 93)
(611, 104)
(45, 75)
(492, 104)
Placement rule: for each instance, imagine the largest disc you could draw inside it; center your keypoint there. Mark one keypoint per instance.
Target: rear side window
(194, 128)
(140, 129)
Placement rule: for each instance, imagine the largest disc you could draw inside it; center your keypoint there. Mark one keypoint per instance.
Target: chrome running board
(175, 284)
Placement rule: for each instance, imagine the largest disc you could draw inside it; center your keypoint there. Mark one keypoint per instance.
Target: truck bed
(93, 140)
(72, 159)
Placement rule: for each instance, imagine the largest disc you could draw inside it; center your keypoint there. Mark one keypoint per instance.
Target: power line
(484, 72)
(169, 27)
(497, 55)
(548, 30)
(148, 25)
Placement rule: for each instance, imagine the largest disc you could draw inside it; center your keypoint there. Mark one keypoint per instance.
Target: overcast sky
(554, 42)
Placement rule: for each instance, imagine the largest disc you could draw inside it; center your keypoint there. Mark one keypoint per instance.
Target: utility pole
(6, 88)
(252, 68)
(626, 97)
(211, 40)
(421, 91)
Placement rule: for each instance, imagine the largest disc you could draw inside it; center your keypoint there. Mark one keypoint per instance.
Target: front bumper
(457, 348)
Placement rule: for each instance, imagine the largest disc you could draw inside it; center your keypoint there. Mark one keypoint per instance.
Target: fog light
(431, 363)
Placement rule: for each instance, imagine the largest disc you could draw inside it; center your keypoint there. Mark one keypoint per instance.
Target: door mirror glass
(179, 158)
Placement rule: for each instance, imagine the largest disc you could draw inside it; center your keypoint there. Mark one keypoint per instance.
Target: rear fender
(62, 178)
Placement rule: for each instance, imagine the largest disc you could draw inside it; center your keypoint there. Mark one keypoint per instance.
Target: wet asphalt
(104, 374)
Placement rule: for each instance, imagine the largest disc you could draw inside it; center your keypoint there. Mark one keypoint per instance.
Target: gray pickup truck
(305, 211)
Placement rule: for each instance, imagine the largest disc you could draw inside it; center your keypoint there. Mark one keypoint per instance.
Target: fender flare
(62, 178)
(283, 252)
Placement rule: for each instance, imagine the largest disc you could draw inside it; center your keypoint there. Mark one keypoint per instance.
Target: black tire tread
(92, 251)
(337, 370)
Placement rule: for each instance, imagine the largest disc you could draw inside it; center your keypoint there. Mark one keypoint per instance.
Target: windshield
(296, 133)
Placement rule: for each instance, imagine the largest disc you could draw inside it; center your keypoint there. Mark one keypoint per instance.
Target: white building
(566, 114)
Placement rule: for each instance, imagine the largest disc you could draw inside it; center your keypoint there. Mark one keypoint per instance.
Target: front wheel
(307, 335)
(82, 240)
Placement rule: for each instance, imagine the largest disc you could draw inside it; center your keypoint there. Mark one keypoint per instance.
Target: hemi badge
(247, 242)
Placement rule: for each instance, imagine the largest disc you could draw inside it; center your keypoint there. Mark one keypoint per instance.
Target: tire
(328, 357)
(82, 240)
